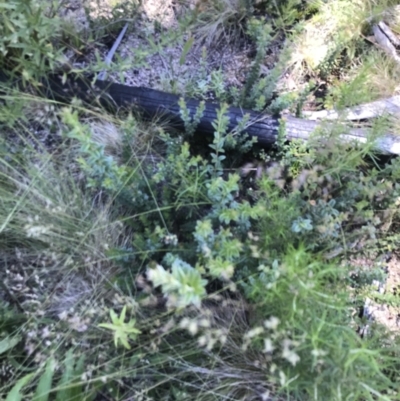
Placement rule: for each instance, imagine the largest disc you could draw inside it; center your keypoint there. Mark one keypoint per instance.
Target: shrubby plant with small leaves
(155, 270)
(29, 32)
(260, 32)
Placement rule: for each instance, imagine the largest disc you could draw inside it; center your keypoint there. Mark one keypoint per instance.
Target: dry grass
(218, 20)
(338, 26)
(53, 218)
(383, 77)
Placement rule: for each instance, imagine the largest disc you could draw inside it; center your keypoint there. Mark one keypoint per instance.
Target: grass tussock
(221, 19)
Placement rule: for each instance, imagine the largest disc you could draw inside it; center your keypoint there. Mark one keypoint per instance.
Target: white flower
(63, 315)
(318, 352)
(193, 327)
(46, 332)
(254, 332)
(268, 346)
(202, 341)
(289, 354)
(36, 231)
(272, 323)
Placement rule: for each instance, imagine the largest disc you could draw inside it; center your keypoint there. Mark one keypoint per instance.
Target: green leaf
(15, 393)
(77, 386)
(122, 331)
(70, 386)
(7, 6)
(8, 343)
(185, 51)
(184, 284)
(219, 268)
(64, 391)
(44, 386)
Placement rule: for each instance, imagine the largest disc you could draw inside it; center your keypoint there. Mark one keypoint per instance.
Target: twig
(360, 112)
(110, 54)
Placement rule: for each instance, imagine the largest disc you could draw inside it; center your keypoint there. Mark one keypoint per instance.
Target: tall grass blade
(8, 343)
(64, 392)
(15, 393)
(77, 388)
(44, 386)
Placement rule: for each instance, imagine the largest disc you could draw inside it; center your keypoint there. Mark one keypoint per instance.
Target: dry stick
(360, 112)
(387, 40)
(110, 54)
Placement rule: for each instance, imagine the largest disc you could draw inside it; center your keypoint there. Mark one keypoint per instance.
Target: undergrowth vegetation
(138, 263)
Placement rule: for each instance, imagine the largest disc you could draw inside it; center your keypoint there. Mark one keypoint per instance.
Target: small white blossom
(36, 231)
(193, 327)
(272, 323)
(289, 354)
(204, 322)
(46, 332)
(63, 315)
(318, 352)
(202, 341)
(254, 332)
(268, 346)
(184, 323)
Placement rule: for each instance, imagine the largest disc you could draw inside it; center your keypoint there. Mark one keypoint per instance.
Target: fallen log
(152, 104)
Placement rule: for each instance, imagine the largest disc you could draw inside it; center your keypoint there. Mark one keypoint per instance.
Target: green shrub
(28, 32)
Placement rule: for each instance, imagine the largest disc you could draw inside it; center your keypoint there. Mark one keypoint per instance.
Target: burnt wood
(153, 104)
(164, 106)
